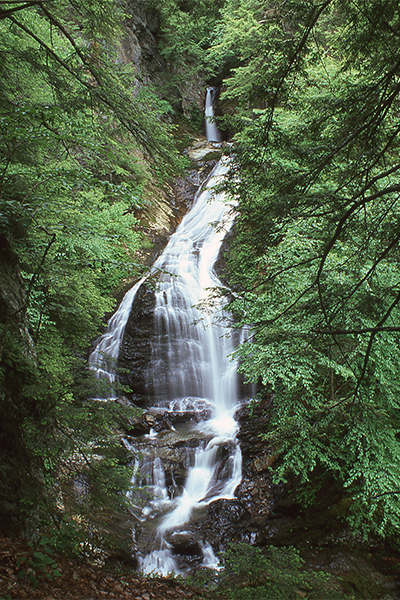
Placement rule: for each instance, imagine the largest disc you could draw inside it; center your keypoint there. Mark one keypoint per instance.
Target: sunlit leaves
(74, 133)
(315, 262)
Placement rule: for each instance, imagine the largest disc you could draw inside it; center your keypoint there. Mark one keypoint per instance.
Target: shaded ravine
(195, 383)
(194, 499)
(191, 457)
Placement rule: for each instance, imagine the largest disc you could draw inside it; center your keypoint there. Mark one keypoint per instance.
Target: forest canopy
(315, 258)
(78, 141)
(310, 96)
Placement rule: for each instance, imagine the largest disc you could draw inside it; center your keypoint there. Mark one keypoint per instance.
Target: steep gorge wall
(163, 206)
(140, 48)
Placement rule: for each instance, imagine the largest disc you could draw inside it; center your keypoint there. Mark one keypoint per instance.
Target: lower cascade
(191, 457)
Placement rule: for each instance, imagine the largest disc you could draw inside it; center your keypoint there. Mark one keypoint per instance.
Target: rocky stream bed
(263, 513)
(260, 512)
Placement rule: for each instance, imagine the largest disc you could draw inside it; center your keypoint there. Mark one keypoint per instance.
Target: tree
(315, 259)
(76, 135)
(187, 32)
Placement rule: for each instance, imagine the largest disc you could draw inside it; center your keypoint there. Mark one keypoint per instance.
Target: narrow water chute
(212, 132)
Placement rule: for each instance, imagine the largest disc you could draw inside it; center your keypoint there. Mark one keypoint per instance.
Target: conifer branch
(356, 331)
(371, 340)
(381, 257)
(6, 12)
(355, 206)
(314, 16)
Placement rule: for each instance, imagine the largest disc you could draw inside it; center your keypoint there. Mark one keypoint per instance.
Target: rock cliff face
(135, 349)
(140, 48)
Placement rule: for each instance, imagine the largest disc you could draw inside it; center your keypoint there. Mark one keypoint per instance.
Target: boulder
(135, 349)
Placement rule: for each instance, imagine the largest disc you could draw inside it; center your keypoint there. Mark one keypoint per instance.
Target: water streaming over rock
(195, 383)
(191, 457)
(103, 359)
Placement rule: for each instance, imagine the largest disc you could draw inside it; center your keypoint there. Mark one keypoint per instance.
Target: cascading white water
(191, 373)
(191, 365)
(104, 357)
(188, 355)
(212, 132)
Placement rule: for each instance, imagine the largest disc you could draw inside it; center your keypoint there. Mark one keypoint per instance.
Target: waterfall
(192, 372)
(212, 132)
(104, 357)
(195, 383)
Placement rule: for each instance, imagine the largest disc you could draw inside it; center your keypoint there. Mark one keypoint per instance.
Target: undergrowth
(251, 573)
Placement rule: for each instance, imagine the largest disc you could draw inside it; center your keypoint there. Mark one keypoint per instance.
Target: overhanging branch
(6, 12)
(373, 330)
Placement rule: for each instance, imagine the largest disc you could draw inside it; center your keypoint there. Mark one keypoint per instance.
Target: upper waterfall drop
(212, 132)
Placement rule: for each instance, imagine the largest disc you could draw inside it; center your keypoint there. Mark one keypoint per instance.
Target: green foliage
(315, 262)
(78, 141)
(253, 573)
(187, 31)
(42, 563)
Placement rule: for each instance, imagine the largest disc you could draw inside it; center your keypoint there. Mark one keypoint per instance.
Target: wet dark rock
(263, 462)
(256, 496)
(170, 418)
(137, 426)
(176, 452)
(220, 522)
(183, 411)
(220, 264)
(185, 543)
(163, 425)
(135, 350)
(185, 189)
